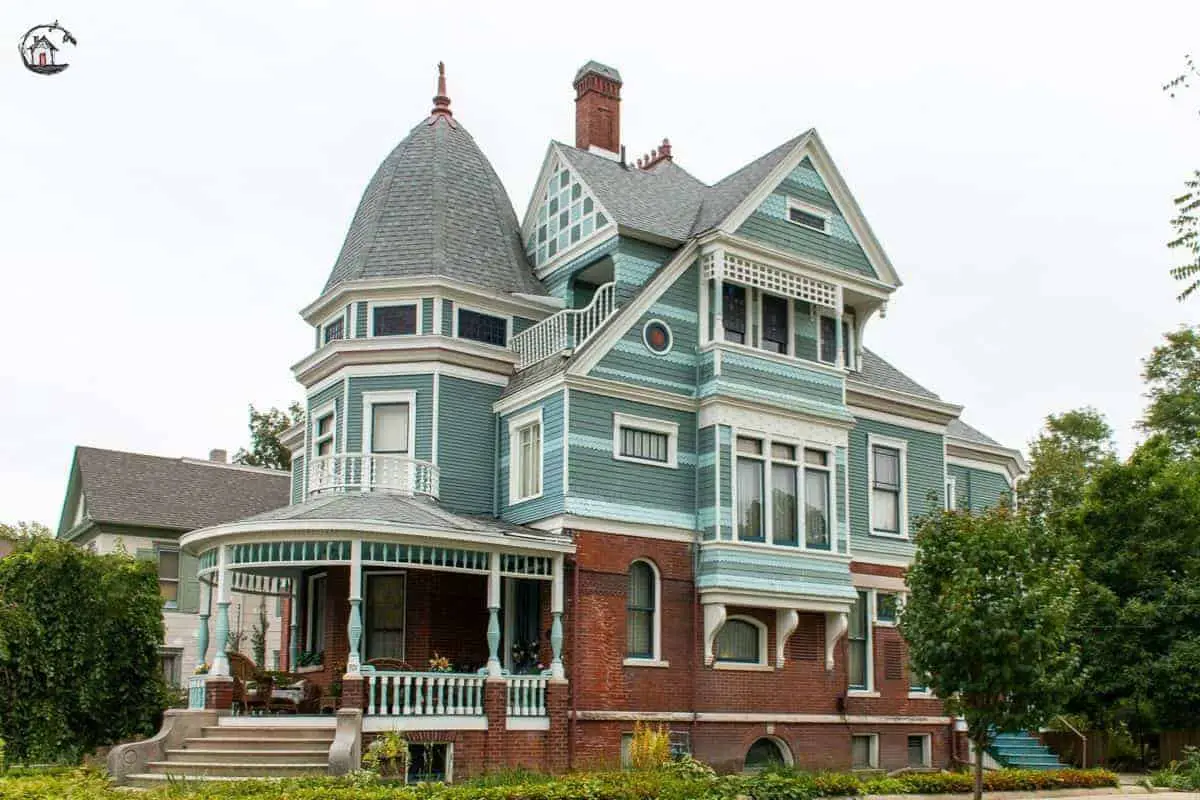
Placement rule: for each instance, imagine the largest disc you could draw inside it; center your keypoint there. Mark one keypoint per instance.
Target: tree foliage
(24, 530)
(1172, 376)
(265, 429)
(1062, 459)
(79, 650)
(1185, 225)
(988, 620)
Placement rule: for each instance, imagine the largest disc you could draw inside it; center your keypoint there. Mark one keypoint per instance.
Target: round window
(657, 336)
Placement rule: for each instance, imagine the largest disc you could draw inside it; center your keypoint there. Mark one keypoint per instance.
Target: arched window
(641, 612)
(742, 641)
(767, 752)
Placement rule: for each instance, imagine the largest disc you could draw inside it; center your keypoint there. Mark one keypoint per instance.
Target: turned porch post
(220, 665)
(556, 613)
(493, 628)
(841, 345)
(294, 625)
(355, 629)
(202, 631)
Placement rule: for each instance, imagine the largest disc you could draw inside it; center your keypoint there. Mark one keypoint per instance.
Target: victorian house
(625, 458)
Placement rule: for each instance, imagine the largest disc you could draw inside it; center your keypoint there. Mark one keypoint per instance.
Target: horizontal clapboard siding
(334, 392)
(706, 482)
(977, 490)
(298, 479)
(551, 501)
(421, 384)
(427, 314)
(467, 444)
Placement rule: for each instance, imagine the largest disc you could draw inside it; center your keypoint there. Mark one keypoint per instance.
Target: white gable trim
(529, 222)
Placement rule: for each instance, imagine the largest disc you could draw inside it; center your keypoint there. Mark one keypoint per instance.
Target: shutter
(893, 661)
(189, 583)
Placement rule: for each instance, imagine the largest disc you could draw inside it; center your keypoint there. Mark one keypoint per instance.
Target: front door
(384, 618)
(523, 622)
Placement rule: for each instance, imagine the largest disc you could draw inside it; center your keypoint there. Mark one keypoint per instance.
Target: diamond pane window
(567, 215)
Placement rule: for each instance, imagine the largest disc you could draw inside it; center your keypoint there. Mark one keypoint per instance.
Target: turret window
(482, 327)
(323, 430)
(334, 330)
(396, 320)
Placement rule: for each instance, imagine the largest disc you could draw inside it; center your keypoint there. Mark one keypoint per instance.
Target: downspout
(571, 665)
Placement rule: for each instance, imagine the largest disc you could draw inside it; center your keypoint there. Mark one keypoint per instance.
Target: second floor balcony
(372, 472)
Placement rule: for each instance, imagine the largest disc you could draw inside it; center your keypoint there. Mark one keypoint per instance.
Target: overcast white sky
(171, 201)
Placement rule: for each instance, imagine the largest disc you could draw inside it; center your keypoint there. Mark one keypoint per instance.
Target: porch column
(294, 627)
(556, 612)
(202, 631)
(493, 629)
(220, 665)
(841, 345)
(718, 299)
(354, 630)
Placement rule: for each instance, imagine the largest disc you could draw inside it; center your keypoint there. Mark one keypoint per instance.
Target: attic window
(807, 216)
(567, 214)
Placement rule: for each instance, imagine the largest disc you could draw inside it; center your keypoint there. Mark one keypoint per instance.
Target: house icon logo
(42, 47)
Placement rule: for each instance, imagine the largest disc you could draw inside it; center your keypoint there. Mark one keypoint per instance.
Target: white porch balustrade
(417, 694)
(370, 472)
(564, 330)
(526, 695)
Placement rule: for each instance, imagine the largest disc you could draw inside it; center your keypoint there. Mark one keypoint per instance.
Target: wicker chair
(390, 665)
(243, 671)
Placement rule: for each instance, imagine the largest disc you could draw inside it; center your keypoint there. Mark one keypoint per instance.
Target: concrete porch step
(278, 757)
(268, 732)
(260, 769)
(150, 780)
(244, 744)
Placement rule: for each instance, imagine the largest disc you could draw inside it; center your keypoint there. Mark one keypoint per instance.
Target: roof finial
(441, 103)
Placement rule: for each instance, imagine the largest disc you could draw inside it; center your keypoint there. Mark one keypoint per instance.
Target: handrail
(1084, 762)
(565, 329)
(367, 472)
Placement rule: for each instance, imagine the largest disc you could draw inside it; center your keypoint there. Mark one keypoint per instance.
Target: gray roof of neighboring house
(436, 207)
(418, 512)
(874, 371)
(176, 493)
(599, 69)
(961, 430)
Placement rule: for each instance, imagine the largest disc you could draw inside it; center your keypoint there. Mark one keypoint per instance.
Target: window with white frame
(334, 329)
(525, 456)
(733, 313)
(482, 327)
(918, 750)
(776, 330)
(742, 640)
(808, 216)
(644, 440)
(794, 476)
(864, 751)
(323, 434)
(887, 608)
(394, 320)
(314, 629)
(390, 427)
(168, 575)
(750, 465)
(858, 640)
(818, 488)
(641, 612)
(951, 494)
(827, 340)
(887, 476)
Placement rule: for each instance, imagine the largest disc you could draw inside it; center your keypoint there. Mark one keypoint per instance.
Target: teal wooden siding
(560, 283)
(334, 392)
(841, 480)
(361, 320)
(725, 476)
(635, 263)
(794, 386)
(447, 317)
(603, 486)
(298, 479)
(926, 485)
(466, 444)
(630, 361)
(769, 224)
(706, 482)
(778, 571)
(427, 315)
(550, 502)
(976, 489)
(423, 417)
(522, 323)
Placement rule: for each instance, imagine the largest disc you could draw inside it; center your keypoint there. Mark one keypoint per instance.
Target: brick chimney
(598, 107)
(218, 456)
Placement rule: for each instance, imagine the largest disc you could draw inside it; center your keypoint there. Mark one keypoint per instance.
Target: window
(741, 641)
(807, 216)
(733, 312)
(567, 214)
(390, 427)
(172, 666)
(775, 326)
(918, 681)
(828, 336)
(525, 468)
(168, 576)
(859, 639)
(656, 335)
(640, 607)
(750, 489)
(848, 342)
(887, 607)
(334, 330)
(864, 751)
(885, 490)
(817, 527)
(383, 617)
(951, 494)
(482, 327)
(323, 435)
(644, 440)
(314, 632)
(785, 527)
(918, 750)
(766, 753)
(393, 320)
(429, 761)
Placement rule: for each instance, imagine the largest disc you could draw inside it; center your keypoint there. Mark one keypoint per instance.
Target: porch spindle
(408, 709)
(429, 695)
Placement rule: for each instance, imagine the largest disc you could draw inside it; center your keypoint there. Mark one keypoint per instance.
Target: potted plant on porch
(389, 756)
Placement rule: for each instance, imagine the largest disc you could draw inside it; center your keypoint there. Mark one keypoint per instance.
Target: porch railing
(367, 472)
(196, 692)
(526, 696)
(565, 329)
(417, 694)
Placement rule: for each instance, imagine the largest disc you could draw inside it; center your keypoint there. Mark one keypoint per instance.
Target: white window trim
(515, 424)
(372, 399)
(801, 490)
(809, 208)
(849, 352)
(327, 410)
(951, 493)
(508, 323)
(372, 305)
(830, 469)
(874, 750)
(656, 659)
(309, 619)
(901, 445)
(762, 665)
(325, 323)
(165, 548)
(926, 749)
(670, 337)
(869, 690)
(652, 425)
(789, 346)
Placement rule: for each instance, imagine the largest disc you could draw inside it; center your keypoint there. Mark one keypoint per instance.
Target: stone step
(280, 757)
(267, 732)
(261, 769)
(149, 780)
(241, 744)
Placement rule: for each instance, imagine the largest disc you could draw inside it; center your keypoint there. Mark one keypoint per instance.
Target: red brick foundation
(218, 694)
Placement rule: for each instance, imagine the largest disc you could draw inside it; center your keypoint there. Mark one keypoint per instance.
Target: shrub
(388, 755)
(1183, 775)
(650, 748)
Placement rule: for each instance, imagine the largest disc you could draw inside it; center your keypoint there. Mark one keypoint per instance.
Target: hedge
(83, 785)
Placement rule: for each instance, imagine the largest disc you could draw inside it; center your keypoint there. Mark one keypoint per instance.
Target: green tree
(1172, 376)
(987, 619)
(1185, 225)
(24, 530)
(265, 429)
(1062, 460)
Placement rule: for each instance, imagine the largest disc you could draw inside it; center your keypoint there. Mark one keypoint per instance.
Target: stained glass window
(567, 215)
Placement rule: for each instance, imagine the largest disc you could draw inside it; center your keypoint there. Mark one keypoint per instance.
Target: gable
(769, 223)
(563, 216)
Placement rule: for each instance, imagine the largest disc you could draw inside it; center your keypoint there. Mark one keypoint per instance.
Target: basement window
(430, 762)
(808, 216)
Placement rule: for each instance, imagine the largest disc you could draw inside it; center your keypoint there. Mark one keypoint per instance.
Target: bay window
(395, 320)
(784, 524)
(750, 489)
(798, 478)
(817, 529)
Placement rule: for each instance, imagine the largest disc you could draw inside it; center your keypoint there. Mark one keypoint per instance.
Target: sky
(170, 202)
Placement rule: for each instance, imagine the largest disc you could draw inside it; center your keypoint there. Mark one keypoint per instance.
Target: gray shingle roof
(874, 371)
(599, 69)
(961, 430)
(724, 196)
(436, 207)
(176, 493)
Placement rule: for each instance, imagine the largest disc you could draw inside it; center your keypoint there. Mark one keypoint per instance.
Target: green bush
(1181, 775)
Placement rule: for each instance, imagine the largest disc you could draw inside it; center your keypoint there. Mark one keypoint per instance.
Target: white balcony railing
(359, 472)
(526, 695)
(564, 330)
(420, 694)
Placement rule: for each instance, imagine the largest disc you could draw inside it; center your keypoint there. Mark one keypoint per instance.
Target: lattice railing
(771, 279)
(565, 329)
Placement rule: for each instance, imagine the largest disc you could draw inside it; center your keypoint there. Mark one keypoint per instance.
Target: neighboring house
(143, 504)
(625, 460)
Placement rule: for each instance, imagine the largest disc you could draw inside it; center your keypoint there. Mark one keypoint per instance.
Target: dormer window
(827, 351)
(774, 324)
(482, 327)
(334, 330)
(398, 320)
(733, 312)
(808, 216)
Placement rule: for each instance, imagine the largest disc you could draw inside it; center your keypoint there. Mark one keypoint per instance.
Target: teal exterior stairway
(1022, 751)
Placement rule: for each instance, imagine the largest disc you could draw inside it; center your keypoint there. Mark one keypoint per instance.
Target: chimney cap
(603, 70)
(218, 456)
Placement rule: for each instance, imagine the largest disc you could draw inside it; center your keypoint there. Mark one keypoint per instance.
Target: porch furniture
(328, 704)
(389, 665)
(242, 670)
